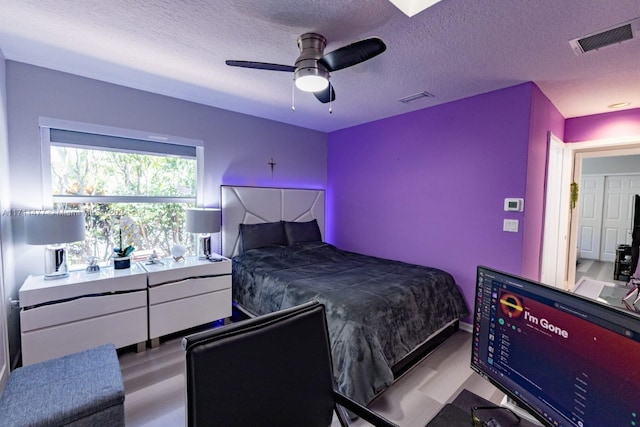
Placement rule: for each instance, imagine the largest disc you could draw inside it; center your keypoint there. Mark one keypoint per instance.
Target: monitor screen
(567, 360)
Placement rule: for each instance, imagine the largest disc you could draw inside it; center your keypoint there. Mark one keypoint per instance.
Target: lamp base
(55, 263)
(203, 246)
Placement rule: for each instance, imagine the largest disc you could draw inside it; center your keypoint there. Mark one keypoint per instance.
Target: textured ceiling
(454, 49)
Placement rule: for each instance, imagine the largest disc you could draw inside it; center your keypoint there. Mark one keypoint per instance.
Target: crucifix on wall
(272, 164)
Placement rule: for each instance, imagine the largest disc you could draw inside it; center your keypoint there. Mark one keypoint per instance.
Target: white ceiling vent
(416, 97)
(614, 35)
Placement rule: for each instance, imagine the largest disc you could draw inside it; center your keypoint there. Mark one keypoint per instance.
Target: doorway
(565, 246)
(606, 208)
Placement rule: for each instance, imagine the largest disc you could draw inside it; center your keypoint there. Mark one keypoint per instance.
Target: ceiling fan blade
(353, 54)
(327, 95)
(261, 65)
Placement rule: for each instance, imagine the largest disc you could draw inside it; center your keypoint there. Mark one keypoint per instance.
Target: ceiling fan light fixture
(311, 69)
(311, 79)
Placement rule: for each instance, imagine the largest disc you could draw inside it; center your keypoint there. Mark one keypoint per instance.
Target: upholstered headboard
(252, 205)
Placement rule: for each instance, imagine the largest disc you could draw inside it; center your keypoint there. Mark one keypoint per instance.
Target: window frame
(46, 124)
(48, 198)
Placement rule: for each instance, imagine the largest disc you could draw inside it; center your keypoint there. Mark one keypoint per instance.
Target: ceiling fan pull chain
(293, 96)
(330, 100)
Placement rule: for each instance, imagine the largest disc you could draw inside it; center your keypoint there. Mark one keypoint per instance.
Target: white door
(590, 222)
(554, 266)
(617, 214)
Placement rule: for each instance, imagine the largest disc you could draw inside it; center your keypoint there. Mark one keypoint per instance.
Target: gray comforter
(378, 310)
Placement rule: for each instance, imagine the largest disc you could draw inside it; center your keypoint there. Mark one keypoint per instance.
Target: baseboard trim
(467, 327)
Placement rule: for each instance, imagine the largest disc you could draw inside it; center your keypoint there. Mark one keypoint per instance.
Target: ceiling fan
(312, 68)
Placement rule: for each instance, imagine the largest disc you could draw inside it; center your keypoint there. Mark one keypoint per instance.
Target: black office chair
(272, 370)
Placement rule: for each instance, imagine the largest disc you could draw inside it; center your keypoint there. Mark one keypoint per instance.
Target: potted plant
(122, 253)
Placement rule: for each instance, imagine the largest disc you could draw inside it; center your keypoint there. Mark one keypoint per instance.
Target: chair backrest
(270, 370)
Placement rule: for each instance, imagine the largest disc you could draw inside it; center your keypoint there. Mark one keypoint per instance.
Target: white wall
(6, 259)
(238, 147)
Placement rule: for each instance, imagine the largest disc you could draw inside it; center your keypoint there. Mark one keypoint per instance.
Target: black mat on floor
(458, 413)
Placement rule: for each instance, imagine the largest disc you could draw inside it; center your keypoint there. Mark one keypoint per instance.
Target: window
(119, 180)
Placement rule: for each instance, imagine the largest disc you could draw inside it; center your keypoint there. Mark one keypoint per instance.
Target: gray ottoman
(81, 389)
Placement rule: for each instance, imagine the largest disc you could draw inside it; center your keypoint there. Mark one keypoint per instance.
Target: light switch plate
(510, 225)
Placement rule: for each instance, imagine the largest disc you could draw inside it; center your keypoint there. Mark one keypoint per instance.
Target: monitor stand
(507, 402)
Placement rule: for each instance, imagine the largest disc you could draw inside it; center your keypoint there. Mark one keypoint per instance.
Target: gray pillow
(262, 235)
(300, 232)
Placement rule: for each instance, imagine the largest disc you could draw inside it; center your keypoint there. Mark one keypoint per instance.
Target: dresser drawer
(80, 309)
(171, 271)
(188, 288)
(123, 328)
(178, 314)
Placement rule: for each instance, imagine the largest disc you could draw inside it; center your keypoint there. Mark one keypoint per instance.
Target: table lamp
(203, 221)
(54, 229)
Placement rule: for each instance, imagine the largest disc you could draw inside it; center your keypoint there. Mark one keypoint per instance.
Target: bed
(382, 314)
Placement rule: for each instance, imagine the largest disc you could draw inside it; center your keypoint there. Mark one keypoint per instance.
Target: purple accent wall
(544, 117)
(600, 126)
(428, 187)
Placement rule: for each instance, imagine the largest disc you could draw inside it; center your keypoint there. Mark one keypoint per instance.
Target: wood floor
(599, 270)
(155, 393)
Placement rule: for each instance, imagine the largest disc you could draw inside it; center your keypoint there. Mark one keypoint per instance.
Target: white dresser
(188, 293)
(62, 316)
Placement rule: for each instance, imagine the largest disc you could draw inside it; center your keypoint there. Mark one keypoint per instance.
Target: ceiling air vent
(618, 34)
(416, 97)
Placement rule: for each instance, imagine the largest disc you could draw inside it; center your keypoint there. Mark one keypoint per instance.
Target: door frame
(571, 171)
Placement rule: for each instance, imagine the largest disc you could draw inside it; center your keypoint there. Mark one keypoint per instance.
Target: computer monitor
(565, 359)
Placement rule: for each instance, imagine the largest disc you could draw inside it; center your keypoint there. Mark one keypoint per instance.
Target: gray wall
(238, 147)
(6, 252)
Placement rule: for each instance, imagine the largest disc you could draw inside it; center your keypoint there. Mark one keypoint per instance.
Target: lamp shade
(203, 220)
(48, 227)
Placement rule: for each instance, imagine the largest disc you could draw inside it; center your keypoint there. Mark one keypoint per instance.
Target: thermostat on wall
(513, 205)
